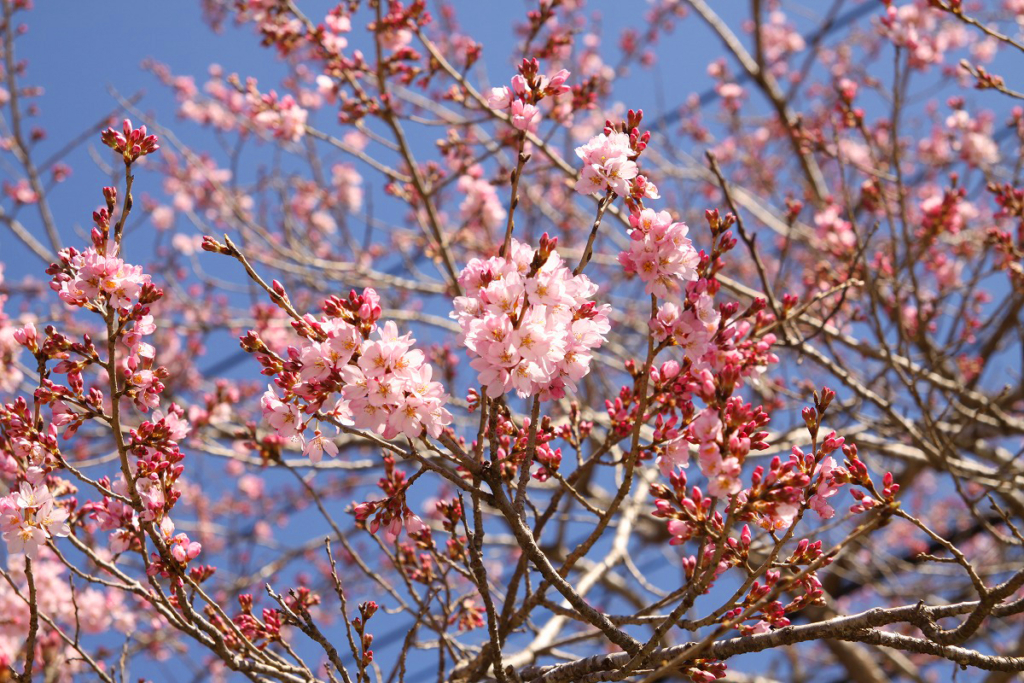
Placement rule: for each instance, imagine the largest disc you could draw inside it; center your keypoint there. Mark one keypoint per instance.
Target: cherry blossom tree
(457, 366)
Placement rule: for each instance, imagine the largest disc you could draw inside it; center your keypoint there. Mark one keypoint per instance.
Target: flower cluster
(116, 516)
(528, 322)
(21, 192)
(95, 275)
(781, 39)
(29, 517)
(972, 138)
(385, 385)
(95, 279)
(923, 32)
(282, 117)
(692, 325)
(607, 164)
(721, 469)
(390, 389)
(528, 88)
(829, 477)
(659, 252)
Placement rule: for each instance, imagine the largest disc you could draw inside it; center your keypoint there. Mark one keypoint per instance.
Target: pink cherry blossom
(500, 98)
(523, 114)
(606, 164)
(660, 253)
(530, 331)
(318, 445)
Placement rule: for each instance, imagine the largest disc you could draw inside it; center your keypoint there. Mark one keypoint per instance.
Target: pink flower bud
(519, 85)
(178, 553)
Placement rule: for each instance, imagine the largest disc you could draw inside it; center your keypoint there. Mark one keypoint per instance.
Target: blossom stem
(514, 201)
(588, 251)
(33, 624)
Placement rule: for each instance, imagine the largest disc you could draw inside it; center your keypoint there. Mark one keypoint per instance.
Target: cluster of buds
(805, 553)
(775, 495)
(155, 480)
(366, 611)
(260, 632)
(1009, 248)
(181, 549)
(704, 670)
(948, 212)
(984, 79)
(691, 515)
(808, 590)
(743, 425)
(392, 512)
(451, 514)
(394, 31)
(360, 309)
(1009, 256)
(212, 245)
(155, 444)
(771, 613)
(132, 143)
(872, 498)
(813, 415)
(32, 451)
(850, 116)
(416, 560)
(514, 445)
(576, 430)
(641, 188)
(468, 615)
(688, 511)
(1008, 197)
(622, 411)
(101, 217)
(722, 241)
